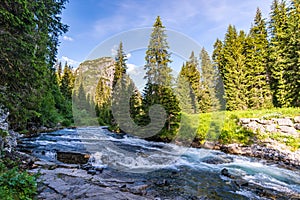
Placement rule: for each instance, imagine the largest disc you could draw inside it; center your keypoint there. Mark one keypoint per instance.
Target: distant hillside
(89, 72)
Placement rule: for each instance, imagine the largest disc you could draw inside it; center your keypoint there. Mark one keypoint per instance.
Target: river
(172, 171)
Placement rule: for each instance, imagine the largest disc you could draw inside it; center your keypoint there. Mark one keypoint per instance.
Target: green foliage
(261, 70)
(29, 39)
(158, 89)
(157, 57)
(15, 184)
(213, 127)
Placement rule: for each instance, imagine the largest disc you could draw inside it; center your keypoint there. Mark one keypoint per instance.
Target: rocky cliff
(89, 72)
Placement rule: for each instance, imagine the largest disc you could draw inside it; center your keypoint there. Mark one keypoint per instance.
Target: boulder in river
(72, 157)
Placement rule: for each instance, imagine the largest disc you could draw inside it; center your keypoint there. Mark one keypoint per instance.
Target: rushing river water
(174, 170)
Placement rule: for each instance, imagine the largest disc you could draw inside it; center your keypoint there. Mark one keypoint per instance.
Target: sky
(93, 23)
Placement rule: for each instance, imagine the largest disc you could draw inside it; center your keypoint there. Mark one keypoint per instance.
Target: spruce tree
(120, 65)
(259, 93)
(234, 70)
(292, 75)
(29, 40)
(191, 73)
(157, 57)
(66, 83)
(277, 66)
(209, 82)
(159, 80)
(183, 93)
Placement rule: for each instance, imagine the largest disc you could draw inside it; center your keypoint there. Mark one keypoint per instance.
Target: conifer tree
(277, 53)
(191, 73)
(66, 85)
(183, 93)
(292, 75)
(234, 70)
(157, 57)
(209, 82)
(159, 80)
(259, 93)
(120, 65)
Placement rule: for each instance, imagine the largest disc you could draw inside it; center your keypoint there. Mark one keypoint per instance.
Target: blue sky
(94, 21)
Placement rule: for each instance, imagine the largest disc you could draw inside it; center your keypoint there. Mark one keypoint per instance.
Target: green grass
(223, 126)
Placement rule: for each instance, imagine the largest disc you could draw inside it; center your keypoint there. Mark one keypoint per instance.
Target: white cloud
(131, 68)
(70, 61)
(67, 38)
(128, 55)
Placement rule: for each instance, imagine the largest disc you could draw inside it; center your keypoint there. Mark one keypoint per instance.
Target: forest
(257, 69)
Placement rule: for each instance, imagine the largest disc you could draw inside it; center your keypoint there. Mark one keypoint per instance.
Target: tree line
(29, 89)
(260, 69)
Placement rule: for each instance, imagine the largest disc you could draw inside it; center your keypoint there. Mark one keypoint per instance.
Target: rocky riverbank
(265, 147)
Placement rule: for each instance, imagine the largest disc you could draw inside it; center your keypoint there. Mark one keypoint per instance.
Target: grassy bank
(223, 127)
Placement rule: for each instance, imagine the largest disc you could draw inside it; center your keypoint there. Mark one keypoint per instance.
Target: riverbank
(273, 135)
(121, 167)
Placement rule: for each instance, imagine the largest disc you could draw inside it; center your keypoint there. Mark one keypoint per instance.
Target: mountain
(89, 72)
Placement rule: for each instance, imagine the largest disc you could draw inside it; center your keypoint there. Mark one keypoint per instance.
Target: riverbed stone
(245, 120)
(297, 126)
(289, 130)
(297, 119)
(271, 128)
(73, 157)
(284, 122)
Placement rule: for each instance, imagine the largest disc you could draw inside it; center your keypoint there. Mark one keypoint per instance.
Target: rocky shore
(266, 148)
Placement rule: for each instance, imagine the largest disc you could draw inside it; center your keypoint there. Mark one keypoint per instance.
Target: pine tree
(183, 93)
(259, 93)
(234, 70)
(277, 53)
(209, 82)
(157, 57)
(59, 71)
(120, 65)
(159, 80)
(66, 83)
(29, 40)
(292, 75)
(191, 73)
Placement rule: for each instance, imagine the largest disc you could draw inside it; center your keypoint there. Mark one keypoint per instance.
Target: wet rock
(10, 141)
(73, 157)
(226, 173)
(162, 182)
(139, 189)
(216, 160)
(92, 171)
(208, 145)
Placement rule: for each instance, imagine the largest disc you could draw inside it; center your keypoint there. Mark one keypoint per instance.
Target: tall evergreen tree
(67, 82)
(159, 80)
(157, 57)
(29, 39)
(259, 93)
(191, 74)
(183, 92)
(209, 82)
(234, 70)
(292, 75)
(120, 65)
(277, 53)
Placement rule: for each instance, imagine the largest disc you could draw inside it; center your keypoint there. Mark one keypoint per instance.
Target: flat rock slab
(67, 184)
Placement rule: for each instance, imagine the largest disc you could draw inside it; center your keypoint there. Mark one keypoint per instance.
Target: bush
(16, 185)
